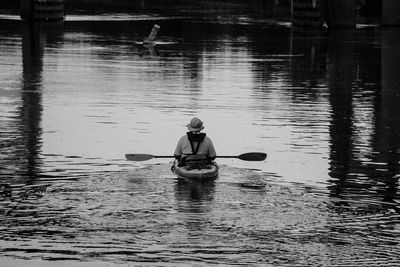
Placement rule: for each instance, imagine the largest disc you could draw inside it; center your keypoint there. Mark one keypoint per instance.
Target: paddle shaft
(226, 157)
(223, 157)
(252, 156)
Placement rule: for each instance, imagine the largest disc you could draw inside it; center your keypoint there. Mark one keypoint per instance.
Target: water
(76, 96)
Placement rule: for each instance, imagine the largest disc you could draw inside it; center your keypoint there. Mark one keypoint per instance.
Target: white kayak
(205, 173)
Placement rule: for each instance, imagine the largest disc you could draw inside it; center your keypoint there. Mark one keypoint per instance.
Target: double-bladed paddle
(251, 156)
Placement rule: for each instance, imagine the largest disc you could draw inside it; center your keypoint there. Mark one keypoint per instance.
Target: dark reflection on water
(75, 96)
(21, 142)
(364, 127)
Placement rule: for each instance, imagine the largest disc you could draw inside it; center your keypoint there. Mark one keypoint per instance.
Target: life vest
(195, 161)
(199, 138)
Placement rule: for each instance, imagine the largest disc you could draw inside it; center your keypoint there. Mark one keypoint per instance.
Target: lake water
(76, 96)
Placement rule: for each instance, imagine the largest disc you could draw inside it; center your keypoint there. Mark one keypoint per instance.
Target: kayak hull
(209, 172)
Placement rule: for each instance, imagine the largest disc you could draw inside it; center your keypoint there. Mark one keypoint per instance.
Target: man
(195, 143)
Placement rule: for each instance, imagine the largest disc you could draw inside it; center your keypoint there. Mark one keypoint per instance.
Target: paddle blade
(139, 157)
(253, 156)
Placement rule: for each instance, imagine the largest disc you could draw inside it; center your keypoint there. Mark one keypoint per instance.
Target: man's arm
(178, 150)
(211, 150)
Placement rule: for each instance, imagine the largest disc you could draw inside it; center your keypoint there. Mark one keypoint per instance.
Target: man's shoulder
(183, 138)
(207, 139)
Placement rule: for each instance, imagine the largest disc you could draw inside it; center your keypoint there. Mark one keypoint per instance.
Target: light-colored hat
(195, 125)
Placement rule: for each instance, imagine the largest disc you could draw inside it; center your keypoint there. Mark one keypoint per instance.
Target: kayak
(208, 172)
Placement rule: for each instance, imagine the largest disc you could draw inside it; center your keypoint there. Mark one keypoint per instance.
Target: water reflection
(35, 38)
(341, 75)
(31, 108)
(364, 132)
(386, 137)
(195, 196)
(324, 107)
(23, 149)
(194, 202)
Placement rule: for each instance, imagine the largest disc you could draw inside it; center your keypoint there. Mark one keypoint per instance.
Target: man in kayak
(195, 148)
